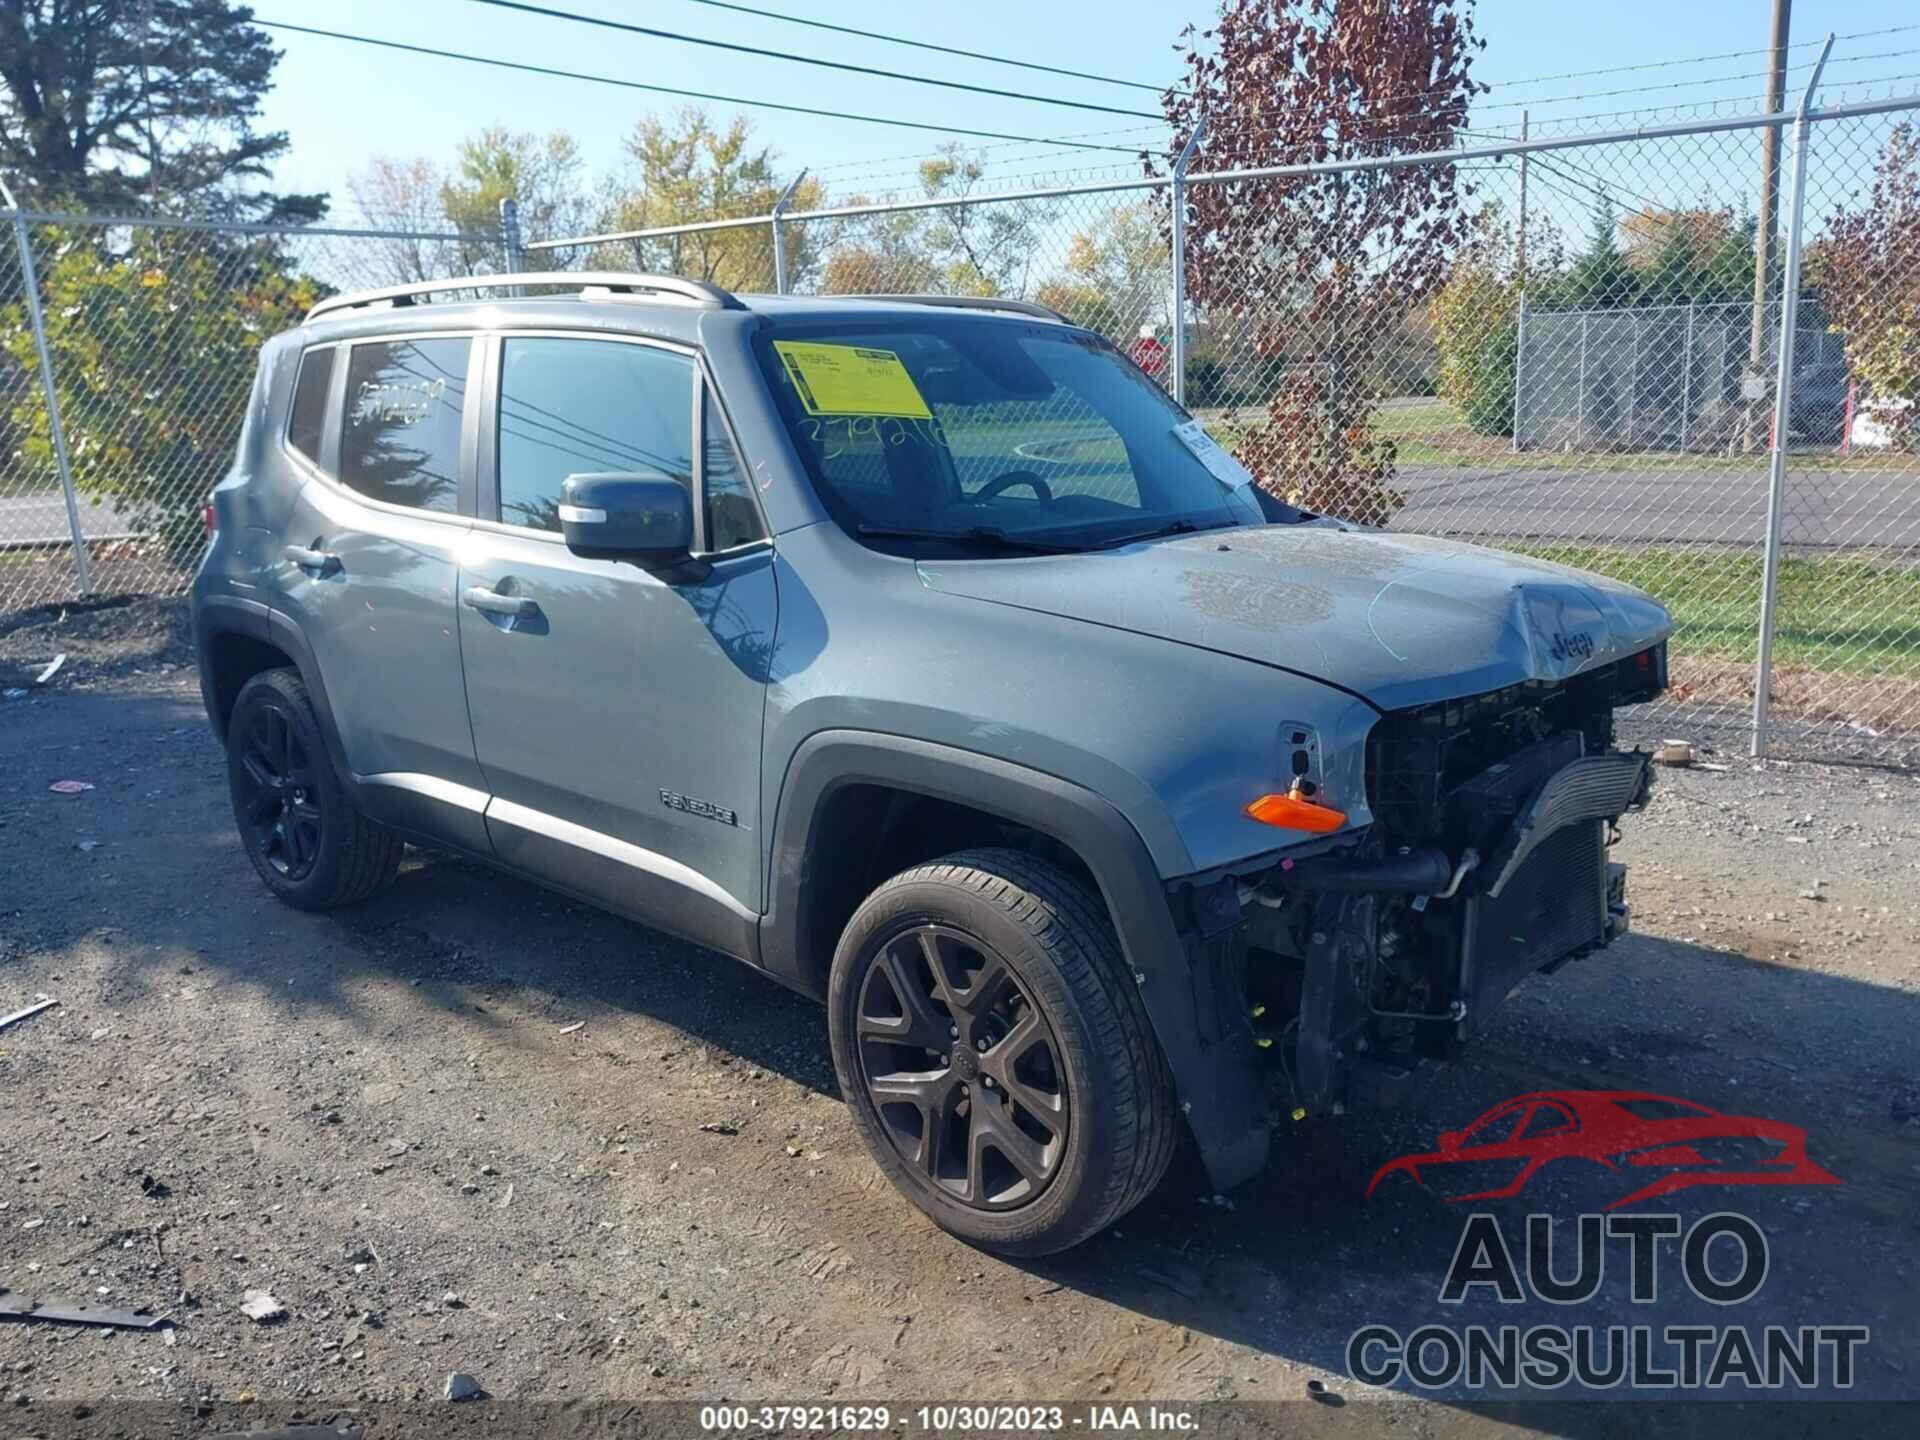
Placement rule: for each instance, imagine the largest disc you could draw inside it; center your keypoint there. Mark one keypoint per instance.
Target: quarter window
(733, 516)
(585, 407)
(401, 441)
(309, 418)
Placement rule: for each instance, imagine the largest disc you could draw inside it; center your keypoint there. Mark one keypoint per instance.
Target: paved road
(1856, 508)
(41, 519)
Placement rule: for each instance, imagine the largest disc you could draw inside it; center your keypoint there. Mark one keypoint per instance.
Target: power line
(796, 59)
(1694, 59)
(670, 90)
(929, 45)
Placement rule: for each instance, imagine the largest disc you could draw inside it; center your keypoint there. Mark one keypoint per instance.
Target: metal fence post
(1633, 382)
(780, 236)
(1783, 409)
(1520, 278)
(1686, 382)
(510, 236)
(30, 280)
(1178, 194)
(1580, 397)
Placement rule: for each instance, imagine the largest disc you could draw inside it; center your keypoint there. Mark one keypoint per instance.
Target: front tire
(996, 1054)
(298, 824)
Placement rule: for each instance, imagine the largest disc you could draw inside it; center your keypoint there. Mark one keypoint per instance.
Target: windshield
(993, 434)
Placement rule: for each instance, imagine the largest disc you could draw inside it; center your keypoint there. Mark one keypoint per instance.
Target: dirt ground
(462, 1127)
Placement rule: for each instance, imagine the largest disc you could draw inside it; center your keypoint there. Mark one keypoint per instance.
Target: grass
(1431, 432)
(1838, 614)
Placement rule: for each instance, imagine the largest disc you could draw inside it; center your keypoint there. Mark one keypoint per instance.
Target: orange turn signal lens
(1295, 812)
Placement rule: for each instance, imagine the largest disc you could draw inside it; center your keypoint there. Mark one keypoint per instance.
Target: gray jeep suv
(924, 655)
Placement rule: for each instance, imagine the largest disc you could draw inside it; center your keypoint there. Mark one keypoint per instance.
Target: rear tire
(996, 1054)
(298, 823)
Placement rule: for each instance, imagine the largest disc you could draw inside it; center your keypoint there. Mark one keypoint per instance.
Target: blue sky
(342, 102)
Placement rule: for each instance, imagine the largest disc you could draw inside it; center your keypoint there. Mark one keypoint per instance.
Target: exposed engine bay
(1485, 863)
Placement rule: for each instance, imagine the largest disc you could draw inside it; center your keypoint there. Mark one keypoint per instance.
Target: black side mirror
(643, 517)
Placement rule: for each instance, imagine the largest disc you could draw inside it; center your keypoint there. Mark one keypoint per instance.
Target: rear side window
(401, 440)
(586, 407)
(308, 421)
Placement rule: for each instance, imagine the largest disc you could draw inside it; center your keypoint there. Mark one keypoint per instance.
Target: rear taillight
(206, 518)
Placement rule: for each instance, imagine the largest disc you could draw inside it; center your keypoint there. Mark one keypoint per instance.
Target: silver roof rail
(617, 281)
(969, 302)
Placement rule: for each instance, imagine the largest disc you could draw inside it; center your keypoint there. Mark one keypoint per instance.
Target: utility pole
(1764, 238)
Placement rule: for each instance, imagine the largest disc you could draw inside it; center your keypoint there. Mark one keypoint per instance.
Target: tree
(982, 248)
(542, 175)
(1654, 231)
(1476, 325)
(1601, 278)
(882, 254)
(155, 351)
(1867, 268)
(1476, 314)
(1118, 273)
(403, 196)
(690, 170)
(1338, 255)
(974, 247)
(110, 104)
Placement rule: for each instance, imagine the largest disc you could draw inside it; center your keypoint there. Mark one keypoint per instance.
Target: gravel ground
(472, 1126)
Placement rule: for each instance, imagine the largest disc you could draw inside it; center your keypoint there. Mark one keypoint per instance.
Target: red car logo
(1670, 1144)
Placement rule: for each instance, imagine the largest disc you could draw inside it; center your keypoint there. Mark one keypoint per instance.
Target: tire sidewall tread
(1057, 935)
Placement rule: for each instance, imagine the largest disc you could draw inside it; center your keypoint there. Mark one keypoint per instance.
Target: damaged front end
(1485, 863)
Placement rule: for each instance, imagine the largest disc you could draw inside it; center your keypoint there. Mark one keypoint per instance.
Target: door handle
(321, 560)
(492, 602)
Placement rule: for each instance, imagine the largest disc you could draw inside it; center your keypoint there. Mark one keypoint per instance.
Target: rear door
(383, 430)
(617, 717)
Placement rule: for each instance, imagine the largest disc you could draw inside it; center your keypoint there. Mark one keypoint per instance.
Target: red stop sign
(1149, 354)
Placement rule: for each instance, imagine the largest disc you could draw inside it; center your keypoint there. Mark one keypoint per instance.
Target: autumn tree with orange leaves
(1326, 264)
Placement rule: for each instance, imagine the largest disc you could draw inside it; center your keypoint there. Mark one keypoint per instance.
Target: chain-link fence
(148, 328)
(1573, 371)
(1551, 349)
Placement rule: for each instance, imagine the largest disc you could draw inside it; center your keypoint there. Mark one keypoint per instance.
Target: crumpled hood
(1399, 619)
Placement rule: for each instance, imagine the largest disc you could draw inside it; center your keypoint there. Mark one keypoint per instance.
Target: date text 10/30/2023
(962, 1416)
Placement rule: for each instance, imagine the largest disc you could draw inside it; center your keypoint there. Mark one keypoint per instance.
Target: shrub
(1476, 327)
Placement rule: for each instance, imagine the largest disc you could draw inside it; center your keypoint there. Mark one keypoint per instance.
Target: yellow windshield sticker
(851, 380)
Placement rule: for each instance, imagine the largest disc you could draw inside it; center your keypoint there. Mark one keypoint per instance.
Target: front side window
(401, 439)
(308, 422)
(587, 407)
(974, 427)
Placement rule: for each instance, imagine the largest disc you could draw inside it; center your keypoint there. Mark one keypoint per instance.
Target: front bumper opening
(1397, 952)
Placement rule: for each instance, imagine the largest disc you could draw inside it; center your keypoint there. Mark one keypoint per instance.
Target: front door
(617, 714)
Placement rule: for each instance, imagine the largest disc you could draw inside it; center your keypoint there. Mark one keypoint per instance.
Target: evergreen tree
(112, 104)
(1600, 278)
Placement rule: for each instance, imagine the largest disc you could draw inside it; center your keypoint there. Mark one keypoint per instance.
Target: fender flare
(1218, 1089)
(216, 615)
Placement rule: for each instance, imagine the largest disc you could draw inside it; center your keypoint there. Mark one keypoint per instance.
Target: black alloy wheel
(962, 1068)
(277, 793)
